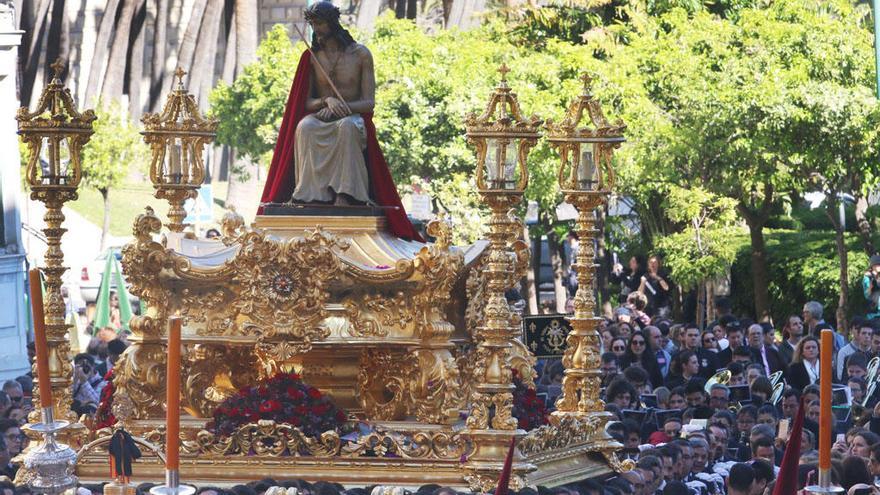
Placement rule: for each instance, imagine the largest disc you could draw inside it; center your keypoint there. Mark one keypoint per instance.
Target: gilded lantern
(585, 152)
(54, 134)
(502, 138)
(177, 139)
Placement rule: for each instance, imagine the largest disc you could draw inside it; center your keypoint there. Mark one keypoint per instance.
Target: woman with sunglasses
(638, 352)
(618, 347)
(710, 341)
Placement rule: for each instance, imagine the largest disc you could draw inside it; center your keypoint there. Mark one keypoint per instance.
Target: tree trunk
(246, 34)
(114, 77)
(756, 217)
(529, 288)
(863, 225)
(400, 9)
(710, 300)
(99, 56)
(831, 209)
(30, 48)
(190, 37)
(368, 11)
(559, 289)
(537, 246)
(136, 64)
(57, 45)
(603, 257)
(412, 9)
(157, 66)
(105, 227)
(201, 79)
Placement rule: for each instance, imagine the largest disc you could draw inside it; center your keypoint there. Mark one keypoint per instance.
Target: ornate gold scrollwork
(213, 374)
(385, 384)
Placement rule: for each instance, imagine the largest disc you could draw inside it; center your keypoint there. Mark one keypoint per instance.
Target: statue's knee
(307, 124)
(348, 125)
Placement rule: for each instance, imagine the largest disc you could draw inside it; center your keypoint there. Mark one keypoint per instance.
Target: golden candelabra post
(586, 179)
(177, 138)
(54, 134)
(502, 138)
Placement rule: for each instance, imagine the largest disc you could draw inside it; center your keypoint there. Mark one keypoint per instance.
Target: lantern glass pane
(174, 161)
(588, 173)
(501, 163)
(54, 161)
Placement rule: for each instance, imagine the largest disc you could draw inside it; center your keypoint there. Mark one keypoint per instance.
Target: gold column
(177, 138)
(54, 134)
(505, 137)
(586, 179)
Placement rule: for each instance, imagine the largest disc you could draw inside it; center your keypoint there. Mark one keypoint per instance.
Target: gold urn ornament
(177, 137)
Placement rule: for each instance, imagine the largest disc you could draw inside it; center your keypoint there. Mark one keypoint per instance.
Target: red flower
(262, 391)
(295, 393)
(270, 406)
(340, 416)
(314, 393)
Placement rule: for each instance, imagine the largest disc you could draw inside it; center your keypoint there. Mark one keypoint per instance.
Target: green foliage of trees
(251, 108)
(114, 150)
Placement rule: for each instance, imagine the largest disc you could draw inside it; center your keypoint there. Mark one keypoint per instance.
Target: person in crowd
(862, 332)
(789, 403)
(87, 384)
(761, 390)
(857, 389)
(764, 355)
(677, 398)
(707, 360)
(14, 440)
(609, 367)
(661, 355)
(629, 278)
(719, 397)
(115, 348)
(710, 342)
(685, 366)
(871, 286)
(733, 331)
(637, 302)
(804, 367)
(746, 418)
(741, 480)
(621, 393)
(814, 323)
(15, 393)
(857, 365)
(654, 284)
(608, 334)
(618, 347)
(640, 353)
(737, 375)
(753, 371)
(792, 333)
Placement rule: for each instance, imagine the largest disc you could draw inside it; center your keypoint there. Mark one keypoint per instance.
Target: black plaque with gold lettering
(545, 334)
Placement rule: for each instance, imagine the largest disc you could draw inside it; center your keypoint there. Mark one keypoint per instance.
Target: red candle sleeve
(825, 421)
(172, 428)
(40, 343)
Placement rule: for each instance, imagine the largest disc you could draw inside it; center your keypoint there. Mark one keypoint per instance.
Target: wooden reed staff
(321, 68)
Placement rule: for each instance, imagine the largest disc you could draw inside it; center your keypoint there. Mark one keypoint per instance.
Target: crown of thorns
(325, 11)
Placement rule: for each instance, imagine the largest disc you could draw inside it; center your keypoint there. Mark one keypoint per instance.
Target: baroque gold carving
(384, 384)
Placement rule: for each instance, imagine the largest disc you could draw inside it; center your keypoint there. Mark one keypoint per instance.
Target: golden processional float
(406, 337)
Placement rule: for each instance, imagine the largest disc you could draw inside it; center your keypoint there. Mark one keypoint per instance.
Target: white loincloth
(330, 156)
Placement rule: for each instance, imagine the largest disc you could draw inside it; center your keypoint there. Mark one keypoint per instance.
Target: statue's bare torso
(351, 70)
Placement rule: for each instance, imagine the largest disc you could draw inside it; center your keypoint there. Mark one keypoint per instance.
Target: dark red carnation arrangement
(284, 398)
(529, 409)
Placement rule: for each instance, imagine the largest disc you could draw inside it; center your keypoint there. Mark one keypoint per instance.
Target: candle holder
(52, 463)
(172, 485)
(502, 138)
(177, 138)
(824, 485)
(55, 134)
(586, 179)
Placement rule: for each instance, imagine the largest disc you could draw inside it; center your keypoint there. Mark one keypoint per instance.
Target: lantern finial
(58, 68)
(588, 82)
(504, 69)
(179, 73)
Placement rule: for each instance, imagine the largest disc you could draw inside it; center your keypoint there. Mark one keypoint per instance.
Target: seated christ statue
(327, 151)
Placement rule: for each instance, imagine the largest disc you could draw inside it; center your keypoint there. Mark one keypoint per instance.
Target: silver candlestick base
(824, 486)
(52, 463)
(172, 485)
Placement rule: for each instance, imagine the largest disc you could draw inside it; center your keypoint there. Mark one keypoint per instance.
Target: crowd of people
(700, 410)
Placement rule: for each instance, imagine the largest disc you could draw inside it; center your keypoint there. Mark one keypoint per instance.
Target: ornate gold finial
(587, 79)
(504, 69)
(58, 68)
(179, 73)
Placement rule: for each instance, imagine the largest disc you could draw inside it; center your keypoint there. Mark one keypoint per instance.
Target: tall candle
(172, 417)
(40, 342)
(827, 345)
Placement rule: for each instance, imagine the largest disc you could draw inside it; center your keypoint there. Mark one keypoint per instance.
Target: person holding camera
(87, 384)
(871, 287)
